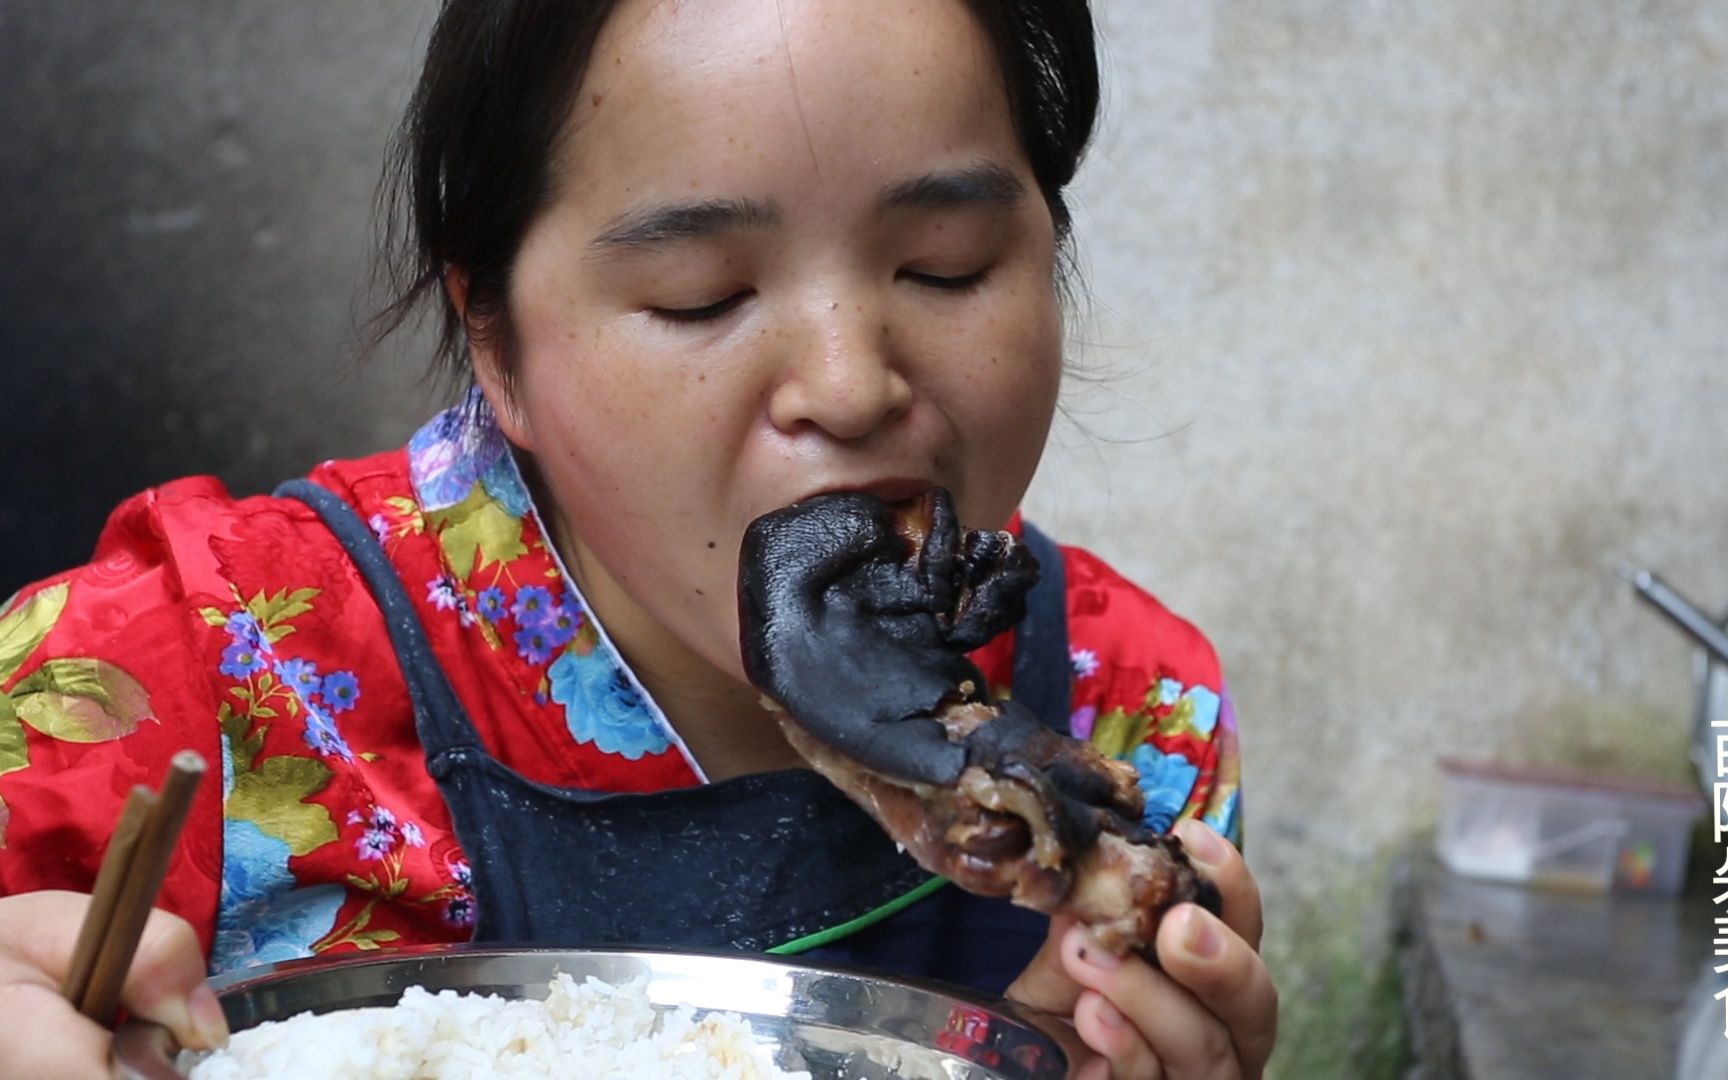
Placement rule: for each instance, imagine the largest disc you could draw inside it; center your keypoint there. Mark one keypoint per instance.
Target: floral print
(603, 706)
(328, 834)
(1166, 781)
(264, 917)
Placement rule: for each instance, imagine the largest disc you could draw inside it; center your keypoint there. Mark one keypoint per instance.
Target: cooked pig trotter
(855, 619)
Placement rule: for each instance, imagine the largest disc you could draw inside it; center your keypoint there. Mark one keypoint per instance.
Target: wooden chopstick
(107, 890)
(118, 912)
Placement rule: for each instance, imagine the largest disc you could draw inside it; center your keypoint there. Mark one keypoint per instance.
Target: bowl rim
(143, 1050)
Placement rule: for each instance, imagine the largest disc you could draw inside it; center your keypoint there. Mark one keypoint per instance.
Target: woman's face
(795, 247)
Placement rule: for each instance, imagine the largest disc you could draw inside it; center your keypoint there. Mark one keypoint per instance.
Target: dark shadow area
(185, 199)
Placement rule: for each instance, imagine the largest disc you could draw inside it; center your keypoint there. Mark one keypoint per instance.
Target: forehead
(693, 94)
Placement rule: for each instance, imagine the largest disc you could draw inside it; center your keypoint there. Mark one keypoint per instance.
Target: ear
(490, 369)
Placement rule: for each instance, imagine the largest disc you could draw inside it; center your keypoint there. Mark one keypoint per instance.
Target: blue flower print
(533, 607)
(262, 917)
(322, 736)
(534, 643)
(341, 691)
(1168, 691)
(244, 629)
(562, 622)
(241, 660)
(602, 707)
(301, 676)
(491, 604)
(1224, 820)
(504, 484)
(1166, 780)
(1205, 715)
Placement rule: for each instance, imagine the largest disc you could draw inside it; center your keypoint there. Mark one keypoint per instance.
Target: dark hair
(470, 167)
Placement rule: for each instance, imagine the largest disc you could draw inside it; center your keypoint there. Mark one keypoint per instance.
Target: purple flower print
(491, 604)
(1084, 661)
(412, 836)
(441, 591)
(533, 606)
(535, 644)
(241, 660)
(1082, 721)
(380, 527)
(383, 818)
(461, 873)
(374, 844)
(341, 691)
(460, 910)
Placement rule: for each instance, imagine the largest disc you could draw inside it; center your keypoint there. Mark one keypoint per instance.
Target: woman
(702, 260)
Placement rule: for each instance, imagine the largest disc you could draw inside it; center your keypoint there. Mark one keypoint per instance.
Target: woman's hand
(45, 1036)
(1210, 1014)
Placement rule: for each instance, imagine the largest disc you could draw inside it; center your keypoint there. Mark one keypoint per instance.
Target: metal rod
(1680, 611)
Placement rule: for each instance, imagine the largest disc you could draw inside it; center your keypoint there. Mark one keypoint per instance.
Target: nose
(841, 375)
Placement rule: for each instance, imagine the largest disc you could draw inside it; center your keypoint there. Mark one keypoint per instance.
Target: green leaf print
(81, 700)
(14, 753)
(22, 630)
(476, 532)
(270, 797)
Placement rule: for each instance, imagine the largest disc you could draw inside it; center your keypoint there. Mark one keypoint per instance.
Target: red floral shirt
(239, 628)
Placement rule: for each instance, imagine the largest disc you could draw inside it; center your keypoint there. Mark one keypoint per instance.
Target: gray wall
(1411, 320)
(1408, 320)
(184, 198)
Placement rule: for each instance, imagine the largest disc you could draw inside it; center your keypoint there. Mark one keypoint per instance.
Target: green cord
(869, 918)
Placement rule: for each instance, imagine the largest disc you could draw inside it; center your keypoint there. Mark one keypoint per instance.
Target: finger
(165, 982)
(1218, 859)
(62, 1044)
(1182, 1035)
(1045, 983)
(1103, 1028)
(1227, 977)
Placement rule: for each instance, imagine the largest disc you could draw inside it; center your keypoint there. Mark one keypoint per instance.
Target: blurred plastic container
(1562, 829)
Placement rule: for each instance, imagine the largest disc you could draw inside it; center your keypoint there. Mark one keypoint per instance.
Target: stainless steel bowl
(831, 1021)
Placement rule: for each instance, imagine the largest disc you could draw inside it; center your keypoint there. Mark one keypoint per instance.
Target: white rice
(589, 1030)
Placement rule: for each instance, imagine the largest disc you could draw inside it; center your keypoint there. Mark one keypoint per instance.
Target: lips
(891, 489)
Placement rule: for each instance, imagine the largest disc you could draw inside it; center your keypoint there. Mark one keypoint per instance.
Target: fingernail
(208, 1021)
(1203, 845)
(1200, 938)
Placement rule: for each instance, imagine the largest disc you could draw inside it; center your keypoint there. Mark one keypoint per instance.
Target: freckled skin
(838, 367)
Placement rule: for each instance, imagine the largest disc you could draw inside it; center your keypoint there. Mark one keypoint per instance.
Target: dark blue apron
(776, 862)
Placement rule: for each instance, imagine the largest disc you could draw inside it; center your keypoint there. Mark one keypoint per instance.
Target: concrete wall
(184, 193)
(1407, 322)
(1410, 320)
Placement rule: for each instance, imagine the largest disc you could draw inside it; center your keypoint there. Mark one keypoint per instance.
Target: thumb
(1044, 984)
(166, 984)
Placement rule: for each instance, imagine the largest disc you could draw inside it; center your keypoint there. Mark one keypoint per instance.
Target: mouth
(897, 491)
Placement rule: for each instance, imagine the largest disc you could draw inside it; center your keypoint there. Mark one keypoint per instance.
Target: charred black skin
(859, 634)
(860, 639)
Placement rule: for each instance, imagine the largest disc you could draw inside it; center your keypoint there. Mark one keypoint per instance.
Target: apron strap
(439, 718)
(1043, 673)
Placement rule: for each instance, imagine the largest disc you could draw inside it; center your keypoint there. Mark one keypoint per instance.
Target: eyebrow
(666, 223)
(984, 184)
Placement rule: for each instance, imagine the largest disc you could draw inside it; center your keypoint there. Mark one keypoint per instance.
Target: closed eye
(706, 312)
(958, 283)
